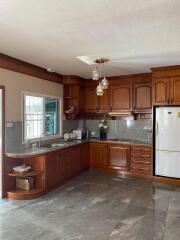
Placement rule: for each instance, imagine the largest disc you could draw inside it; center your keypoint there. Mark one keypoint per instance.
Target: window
(41, 116)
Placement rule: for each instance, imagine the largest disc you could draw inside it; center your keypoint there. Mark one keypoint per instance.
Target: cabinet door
(71, 98)
(103, 102)
(66, 164)
(175, 90)
(76, 160)
(51, 170)
(142, 98)
(74, 94)
(161, 91)
(90, 99)
(98, 155)
(121, 98)
(119, 157)
(84, 156)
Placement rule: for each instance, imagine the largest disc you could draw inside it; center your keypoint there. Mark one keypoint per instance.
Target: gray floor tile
(96, 206)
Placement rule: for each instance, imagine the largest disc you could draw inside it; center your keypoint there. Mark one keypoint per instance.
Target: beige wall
(16, 83)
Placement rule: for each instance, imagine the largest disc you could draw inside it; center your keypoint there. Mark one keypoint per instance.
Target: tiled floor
(96, 206)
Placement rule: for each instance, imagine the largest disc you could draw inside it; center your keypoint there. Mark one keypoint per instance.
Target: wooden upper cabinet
(121, 98)
(98, 155)
(175, 90)
(71, 99)
(166, 91)
(142, 98)
(90, 99)
(161, 91)
(119, 157)
(103, 102)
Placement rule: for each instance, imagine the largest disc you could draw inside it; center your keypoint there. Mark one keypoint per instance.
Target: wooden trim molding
(166, 72)
(20, 66)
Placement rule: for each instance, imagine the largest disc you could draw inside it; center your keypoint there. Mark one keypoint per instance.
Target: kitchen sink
(56, 145)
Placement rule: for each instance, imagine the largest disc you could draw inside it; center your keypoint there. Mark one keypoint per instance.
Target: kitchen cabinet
(118, 156)
(121, 98)
(141, 160)
(52, 170)
(98, 155)
(90, 99)
(142, 98)
(66, 167)
(175, 90)
(166, 91)
(71, 100)
(76, 160)
(85, 156)
(94, 103)
(161, 91)
(103, 102)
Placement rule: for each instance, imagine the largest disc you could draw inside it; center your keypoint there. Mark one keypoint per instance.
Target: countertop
(30, 152)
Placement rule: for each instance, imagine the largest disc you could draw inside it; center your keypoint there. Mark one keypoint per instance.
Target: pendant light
(99, 90)
(104, 81)
(95, 74)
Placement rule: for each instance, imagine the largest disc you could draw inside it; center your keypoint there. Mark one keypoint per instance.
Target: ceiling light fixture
(99, 90)
(97, 75)
(51, 70)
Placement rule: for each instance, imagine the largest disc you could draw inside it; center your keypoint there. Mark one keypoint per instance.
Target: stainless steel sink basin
(56, 145)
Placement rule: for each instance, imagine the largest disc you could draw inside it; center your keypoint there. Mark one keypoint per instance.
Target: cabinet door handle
(168, 100)
(157, 128)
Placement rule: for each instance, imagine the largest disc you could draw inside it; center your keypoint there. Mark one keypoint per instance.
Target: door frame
(3, 141)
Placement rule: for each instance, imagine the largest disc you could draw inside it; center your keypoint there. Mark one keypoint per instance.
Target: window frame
(33, 94)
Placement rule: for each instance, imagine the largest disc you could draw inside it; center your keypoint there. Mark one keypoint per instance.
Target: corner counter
(50, 168)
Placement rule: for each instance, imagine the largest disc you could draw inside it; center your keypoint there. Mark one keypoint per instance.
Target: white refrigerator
(167, 142)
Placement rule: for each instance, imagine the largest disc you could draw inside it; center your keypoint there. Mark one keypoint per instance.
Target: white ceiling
(51, 33)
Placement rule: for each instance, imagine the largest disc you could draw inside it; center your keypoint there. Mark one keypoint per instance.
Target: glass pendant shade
(95, 74)
(99, 90)
(104, 83)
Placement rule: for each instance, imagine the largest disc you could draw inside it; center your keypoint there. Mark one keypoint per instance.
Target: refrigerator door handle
(157, 128)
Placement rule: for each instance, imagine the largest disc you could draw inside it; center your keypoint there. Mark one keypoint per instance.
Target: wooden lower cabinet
(64, 164)
(52, 171)
(98, 155)
(141, 160)
(76, 160)
(132, 159)
(119, 156)
(84, 157)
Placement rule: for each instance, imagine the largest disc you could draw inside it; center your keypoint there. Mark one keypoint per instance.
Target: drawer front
(141, 149)
(140, 159)
(141, 168)
(141, 155)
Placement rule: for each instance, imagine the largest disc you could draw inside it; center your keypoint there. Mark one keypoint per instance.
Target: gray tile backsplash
(13, 137)
(117, 129)
(69, 125)
(14, 134)
(128, 129)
